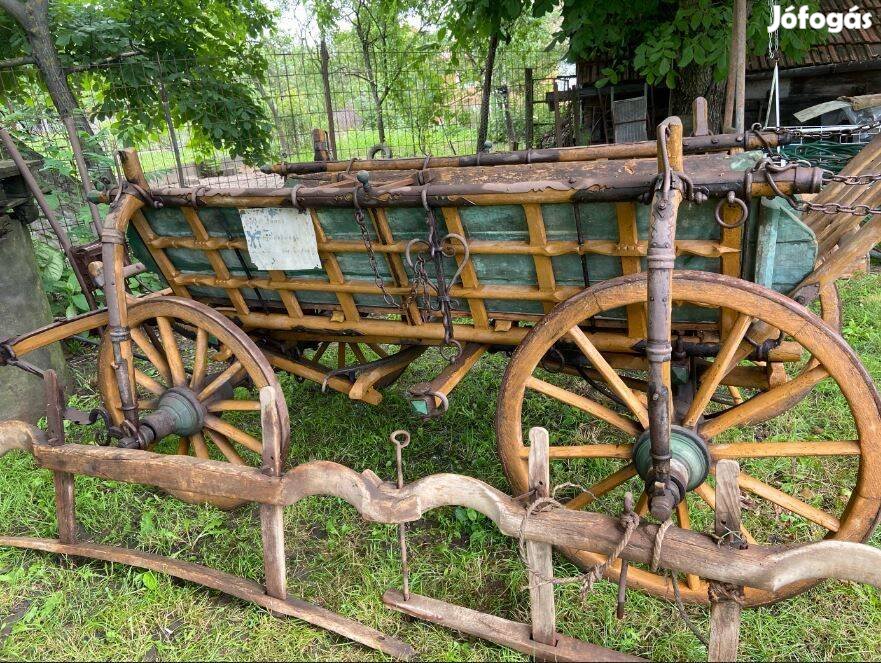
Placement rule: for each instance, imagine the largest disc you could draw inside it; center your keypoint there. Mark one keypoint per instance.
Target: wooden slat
(730, 262)
(395, 262)
(334, 273)
(288, 298)
(628, 238)
(214, 259)
(725, 612)
(704, 248)
(469, 274)
(540, 555)
(544, 268)
(169, 271)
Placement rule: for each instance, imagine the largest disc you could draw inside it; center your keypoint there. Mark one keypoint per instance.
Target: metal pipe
(615, 185)
(642, 149)
(660, 259)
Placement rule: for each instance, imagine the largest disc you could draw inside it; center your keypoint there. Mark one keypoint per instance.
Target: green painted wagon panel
(781, 249)
(791, 250)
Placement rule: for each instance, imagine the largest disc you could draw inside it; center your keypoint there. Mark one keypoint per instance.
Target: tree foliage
(123, 55)
(655, 39)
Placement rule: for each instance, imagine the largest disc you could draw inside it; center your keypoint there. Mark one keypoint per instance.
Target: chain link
(822, 133)
(421, 286)
(371, 255)
(769, 167)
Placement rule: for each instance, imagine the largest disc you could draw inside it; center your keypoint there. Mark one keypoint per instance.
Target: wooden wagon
(658, 288)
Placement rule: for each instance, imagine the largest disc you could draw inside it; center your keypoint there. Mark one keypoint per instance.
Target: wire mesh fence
(379, 105)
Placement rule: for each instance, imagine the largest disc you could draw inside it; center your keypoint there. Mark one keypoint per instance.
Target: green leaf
(80, 302)
(687, 56)
(150, 581)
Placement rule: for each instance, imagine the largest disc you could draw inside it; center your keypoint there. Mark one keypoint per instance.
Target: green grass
(52, 608)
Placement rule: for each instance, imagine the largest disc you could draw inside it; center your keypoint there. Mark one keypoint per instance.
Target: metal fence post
(528, 106)
(328, 105)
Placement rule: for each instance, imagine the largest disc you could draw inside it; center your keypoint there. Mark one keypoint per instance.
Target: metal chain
(822, 133)
(421, 281)
(374, 266)
(851, 180)
(770, 168)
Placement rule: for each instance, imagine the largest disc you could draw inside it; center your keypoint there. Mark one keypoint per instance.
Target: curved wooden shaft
(686, 551)
(227, 583)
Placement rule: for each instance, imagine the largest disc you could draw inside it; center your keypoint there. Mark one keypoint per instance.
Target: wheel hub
(180, 409)
(179, 412)
(689, 463)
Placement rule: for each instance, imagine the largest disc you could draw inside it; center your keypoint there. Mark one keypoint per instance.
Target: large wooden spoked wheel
(820, 481)
(186, 345)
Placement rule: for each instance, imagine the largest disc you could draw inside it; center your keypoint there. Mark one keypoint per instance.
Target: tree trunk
(483, 127)
(372, 83)
(374, 92)
(697, 81)
(36, 27)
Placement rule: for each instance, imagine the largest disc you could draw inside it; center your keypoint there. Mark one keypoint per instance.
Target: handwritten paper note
(282, 239)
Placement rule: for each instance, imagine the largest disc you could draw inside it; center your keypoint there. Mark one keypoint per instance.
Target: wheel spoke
(788, 502)
(200, 361)
(378, 350)
(172, 352)
(622, 451)
(584, 404)
(229, 374)
(788, 393)
(197, 440)
(602, 487)
(319, 352)
(642, 504)
(708, 495)
(150, 352)
(735, 394)
(234, 405)
(737, 450)
(148, 383)
(609, 375)
(227, 429)
(226, 448)
(340, 355)
(183, 446)
(359, 354)
(717, 370)
(148, 403)
(684, 518)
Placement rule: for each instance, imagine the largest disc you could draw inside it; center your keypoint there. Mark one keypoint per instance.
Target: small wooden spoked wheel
(192, 354)
(793, 497)
(352, 354)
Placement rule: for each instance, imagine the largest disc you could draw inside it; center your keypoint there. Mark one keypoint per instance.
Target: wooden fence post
(725, 611)
(540, 555)
(271, 524)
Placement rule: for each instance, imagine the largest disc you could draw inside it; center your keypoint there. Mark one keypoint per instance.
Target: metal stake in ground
(401, 438)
